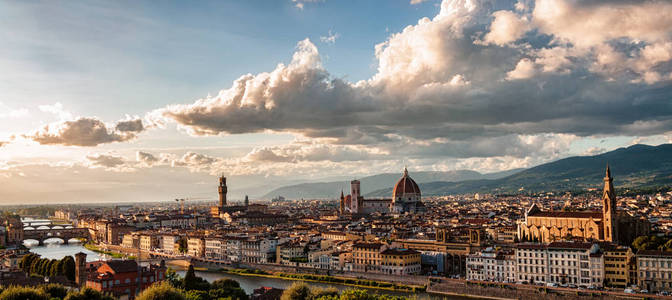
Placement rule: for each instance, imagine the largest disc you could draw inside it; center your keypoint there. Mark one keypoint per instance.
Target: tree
(193, 282)
(297, 291)
(182, 245)
(55, 290)
(650, 243)
(328, 293)
(231, 293)
(87, 293)
(197, 295)
(23, 293)
(56, 268)
(27, 260)
(68, 267)
(173, 278)
(161, 291)
(225, 283)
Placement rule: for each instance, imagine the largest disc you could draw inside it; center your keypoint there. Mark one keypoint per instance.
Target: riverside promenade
(434, 285)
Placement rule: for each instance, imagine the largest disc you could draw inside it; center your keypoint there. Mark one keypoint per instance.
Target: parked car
(552, 284)
(629, 291)
(644, 291)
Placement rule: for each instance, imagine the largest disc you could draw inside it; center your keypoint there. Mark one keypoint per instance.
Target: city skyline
(116, 101)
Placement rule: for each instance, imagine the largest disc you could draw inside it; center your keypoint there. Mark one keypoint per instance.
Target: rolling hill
(318, 190)
(636, 166)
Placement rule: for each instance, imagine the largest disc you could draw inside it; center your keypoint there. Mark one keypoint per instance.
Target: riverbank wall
(491, 290)
(413, 280)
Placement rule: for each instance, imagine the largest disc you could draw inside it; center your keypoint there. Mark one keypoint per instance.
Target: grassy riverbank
(354, 282)
(113, 254)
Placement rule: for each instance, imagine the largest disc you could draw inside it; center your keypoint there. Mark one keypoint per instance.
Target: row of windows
(662, 264)
(654, 275)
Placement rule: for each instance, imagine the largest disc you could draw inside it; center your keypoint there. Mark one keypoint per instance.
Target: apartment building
(196, 246)
(395, 261)
(366, 256)
(654, 270)
(532, 263)
(215, 248)
(258, 250)
(492, 265)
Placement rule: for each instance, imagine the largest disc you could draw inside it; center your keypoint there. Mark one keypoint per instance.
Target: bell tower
(354, 194)
(80, 269)
(609, 209)
(222, 191)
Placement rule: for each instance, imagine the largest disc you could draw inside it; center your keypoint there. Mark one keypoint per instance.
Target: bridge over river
(43, 229)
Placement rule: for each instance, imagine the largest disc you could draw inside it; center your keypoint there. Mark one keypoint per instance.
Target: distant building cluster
(560, 240)
(406, 198)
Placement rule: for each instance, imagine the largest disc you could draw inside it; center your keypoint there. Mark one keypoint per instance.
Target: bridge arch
(65, 234)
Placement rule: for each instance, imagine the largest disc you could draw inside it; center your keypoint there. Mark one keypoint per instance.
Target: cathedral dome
(405, 187)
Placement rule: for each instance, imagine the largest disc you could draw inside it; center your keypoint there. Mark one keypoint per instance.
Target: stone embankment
(492, 290)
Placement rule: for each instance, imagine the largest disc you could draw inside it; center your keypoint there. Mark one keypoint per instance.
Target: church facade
(607, 225)
(406, 198)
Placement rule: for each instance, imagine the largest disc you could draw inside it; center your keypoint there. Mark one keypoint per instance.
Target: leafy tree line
(197, 288)
(298, 291)
(33, 264)
(652, 242)
(301, 291)
(50, 292)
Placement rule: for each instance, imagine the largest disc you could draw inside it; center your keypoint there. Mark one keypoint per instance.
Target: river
(55, 249)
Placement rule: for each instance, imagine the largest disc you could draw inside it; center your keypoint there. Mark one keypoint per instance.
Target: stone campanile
(80, 269)
(609, 209)
(354, 196)
(222, 191)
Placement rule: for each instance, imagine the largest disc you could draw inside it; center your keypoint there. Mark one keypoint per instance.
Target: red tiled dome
(405, 185)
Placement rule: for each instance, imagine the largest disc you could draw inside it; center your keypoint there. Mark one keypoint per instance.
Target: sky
(134, 101)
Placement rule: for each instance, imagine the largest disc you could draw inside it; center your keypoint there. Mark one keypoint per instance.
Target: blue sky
(277, 92)
(135, 56)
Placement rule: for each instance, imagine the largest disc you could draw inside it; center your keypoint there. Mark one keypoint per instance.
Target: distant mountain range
(638, 166)
(332, 189)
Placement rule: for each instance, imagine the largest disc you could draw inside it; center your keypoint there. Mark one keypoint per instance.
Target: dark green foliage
(87, 293)
(162, 291)
(27, 260)
(55, 290)
(301, 291)
(193, 282)
(225, 283)
(652, 243)
(182, 245)
(68, 267)
(34, 265)
(324, 293)
(197, 295)
(173, 278)
(23, 293)
(297, 291)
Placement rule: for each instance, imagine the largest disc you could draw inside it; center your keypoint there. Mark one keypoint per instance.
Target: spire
(608, 172)
(405, 171)
(342, 196)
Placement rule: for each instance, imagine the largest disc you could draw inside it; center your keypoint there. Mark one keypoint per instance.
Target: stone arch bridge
(64, 234)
